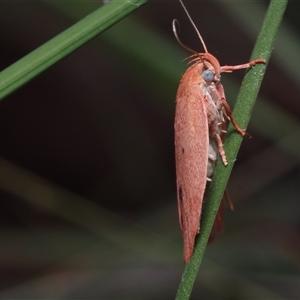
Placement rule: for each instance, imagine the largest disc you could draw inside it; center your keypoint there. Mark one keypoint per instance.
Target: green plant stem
(242, 112)
(63, 44)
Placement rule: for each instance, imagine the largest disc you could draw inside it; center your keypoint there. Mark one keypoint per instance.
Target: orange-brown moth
(201, 117)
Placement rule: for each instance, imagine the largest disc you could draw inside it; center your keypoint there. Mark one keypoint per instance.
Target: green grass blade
(63, 44)
(242, 112)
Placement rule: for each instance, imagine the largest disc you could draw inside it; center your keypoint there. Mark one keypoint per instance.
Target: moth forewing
(191, 158)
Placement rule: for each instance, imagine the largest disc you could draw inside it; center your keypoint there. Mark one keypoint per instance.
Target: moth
(201, 118)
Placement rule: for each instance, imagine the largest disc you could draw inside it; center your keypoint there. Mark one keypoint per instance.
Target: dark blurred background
(88, 204)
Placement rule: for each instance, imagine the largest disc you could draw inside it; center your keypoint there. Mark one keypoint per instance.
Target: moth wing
(191, 154)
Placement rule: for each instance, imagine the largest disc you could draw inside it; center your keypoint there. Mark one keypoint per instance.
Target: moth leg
(228, 199)
(229, 69)
(228, 112)
(221, 149)
(232, 120)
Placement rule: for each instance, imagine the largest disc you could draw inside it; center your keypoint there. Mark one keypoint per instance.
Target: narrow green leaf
(242, 112)
(63, 44)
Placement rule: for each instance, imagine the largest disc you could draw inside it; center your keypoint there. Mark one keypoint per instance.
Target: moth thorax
(212, 157)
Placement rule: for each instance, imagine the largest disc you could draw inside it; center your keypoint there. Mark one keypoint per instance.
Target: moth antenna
(177, 38)
(197, 31)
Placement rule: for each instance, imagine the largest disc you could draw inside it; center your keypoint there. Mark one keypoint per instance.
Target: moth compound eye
(208, 75)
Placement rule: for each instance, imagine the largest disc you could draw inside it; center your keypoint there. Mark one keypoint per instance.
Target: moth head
(211, 67)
